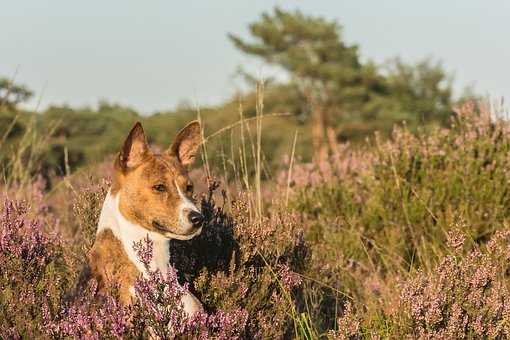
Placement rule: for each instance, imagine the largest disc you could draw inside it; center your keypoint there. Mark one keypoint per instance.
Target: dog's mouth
(164, 230)
(159, 226)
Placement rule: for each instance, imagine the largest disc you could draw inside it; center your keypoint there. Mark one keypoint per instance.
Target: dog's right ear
(135, 149)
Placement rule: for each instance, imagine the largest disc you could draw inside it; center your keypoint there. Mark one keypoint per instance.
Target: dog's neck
(128, 233)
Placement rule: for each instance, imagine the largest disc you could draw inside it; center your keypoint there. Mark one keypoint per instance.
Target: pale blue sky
(153, 54)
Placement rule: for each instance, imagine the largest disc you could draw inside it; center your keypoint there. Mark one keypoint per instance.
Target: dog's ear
(135, 148)
(186, 143)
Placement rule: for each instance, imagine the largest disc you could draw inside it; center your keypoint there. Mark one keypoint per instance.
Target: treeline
(331, 95)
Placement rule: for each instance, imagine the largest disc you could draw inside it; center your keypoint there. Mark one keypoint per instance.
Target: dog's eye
(159, 188)
(189, 188)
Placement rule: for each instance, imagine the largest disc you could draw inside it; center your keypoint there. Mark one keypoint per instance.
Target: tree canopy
(335, 84)
(12, 94)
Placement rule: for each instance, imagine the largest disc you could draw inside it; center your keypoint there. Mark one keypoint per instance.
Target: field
(406, 236)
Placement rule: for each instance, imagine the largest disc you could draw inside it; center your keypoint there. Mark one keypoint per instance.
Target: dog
(150, 197)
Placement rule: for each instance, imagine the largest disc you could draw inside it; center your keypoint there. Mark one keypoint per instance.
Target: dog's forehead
(162, 166)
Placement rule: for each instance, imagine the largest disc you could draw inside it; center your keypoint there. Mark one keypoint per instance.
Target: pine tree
(335, 84)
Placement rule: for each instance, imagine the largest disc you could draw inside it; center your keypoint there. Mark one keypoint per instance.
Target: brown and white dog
(150, 197)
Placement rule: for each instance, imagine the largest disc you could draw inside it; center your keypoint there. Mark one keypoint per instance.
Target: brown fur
(109, 265)
(140, 204)
(137, 171)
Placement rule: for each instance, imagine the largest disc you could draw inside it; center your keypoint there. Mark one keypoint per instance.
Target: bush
(464, 296)
(257, 273)
(406, 238)
(241, 270)
(376, 216)
(33, 273)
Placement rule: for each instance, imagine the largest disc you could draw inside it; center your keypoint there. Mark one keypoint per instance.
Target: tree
(333, 82)
(327, 72)
(424, 88)
(12, 94)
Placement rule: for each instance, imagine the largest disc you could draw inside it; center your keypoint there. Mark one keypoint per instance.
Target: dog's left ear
(185, 145)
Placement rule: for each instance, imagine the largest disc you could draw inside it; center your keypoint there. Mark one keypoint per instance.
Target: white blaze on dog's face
(188, 211)
(155, 189)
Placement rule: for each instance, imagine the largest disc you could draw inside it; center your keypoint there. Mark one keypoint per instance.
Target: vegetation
(12, 94)
(332, 83)
(331, 96)
(401, 235)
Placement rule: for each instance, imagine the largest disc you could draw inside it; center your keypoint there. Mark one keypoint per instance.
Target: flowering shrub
(237, 263)
(89, 316)
(159, 311)
(370, 246)
(33, 272)
(373, 215)
(239, 285)
(348, 325)
(463, 296)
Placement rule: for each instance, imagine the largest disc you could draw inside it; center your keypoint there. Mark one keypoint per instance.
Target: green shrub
(378, 215)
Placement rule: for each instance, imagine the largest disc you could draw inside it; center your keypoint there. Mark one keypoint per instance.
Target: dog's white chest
(129, 234)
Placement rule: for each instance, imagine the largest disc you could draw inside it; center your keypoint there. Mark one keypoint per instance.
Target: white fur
(128, 233)
(185, 205)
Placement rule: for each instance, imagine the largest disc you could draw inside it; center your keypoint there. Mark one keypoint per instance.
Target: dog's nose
(196, 218)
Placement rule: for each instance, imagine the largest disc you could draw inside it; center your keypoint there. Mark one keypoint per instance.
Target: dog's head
(155, 190)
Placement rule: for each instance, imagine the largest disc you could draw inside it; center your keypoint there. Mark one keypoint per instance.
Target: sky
(154, 55)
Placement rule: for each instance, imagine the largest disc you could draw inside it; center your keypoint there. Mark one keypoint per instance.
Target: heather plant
(348, 325)
(89, 315)
(405, 237)
(33, 272)
(261, 275)
(158, 310)
(374, 215)
(464, 296)
(241, 264)
(86, 209)
(238, 267)
(36, 282)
